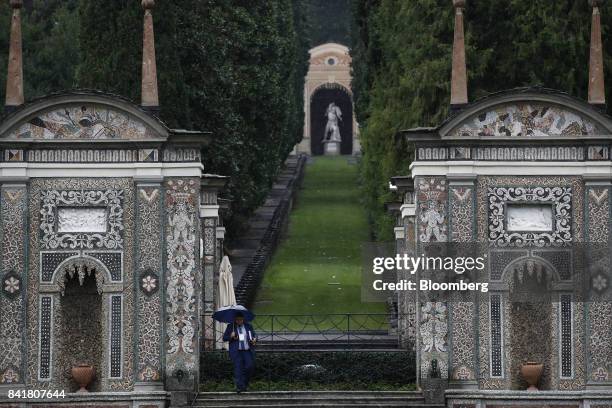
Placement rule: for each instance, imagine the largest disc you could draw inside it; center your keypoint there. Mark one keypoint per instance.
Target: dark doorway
(318, 106)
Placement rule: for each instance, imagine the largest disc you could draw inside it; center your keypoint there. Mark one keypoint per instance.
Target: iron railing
(318, 331)
(331, 351)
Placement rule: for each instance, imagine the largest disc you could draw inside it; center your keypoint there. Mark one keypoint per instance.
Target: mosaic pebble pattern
(566, 336)
(60, 351)
(525, 119)
(46, 308)
(12, 302)
(82, 122)
(182, 240)
(112, 261)
(149, 297)
(116, 328)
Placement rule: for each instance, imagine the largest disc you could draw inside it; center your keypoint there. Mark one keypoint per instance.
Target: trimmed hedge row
(324, 367)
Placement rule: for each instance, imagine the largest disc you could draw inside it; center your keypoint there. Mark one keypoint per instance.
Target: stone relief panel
(86, 211)
(12, 257)
(81, 219)
(88, 121)
(518, 216)
(527, 119)
(117, 196)
(432, 196)
(433, 331)
(182, 245)
(149, 297)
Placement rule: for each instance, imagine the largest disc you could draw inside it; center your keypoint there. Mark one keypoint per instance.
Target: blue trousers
(243, 368)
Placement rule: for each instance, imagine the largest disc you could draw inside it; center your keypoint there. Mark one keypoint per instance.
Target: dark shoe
(238, 391)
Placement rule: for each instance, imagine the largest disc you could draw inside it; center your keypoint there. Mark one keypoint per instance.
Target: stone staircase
(251, 253)
(299, 399)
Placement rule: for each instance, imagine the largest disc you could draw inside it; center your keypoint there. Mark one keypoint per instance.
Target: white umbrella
(227, 297)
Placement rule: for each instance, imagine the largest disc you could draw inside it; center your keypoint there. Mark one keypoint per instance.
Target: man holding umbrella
(242, 340)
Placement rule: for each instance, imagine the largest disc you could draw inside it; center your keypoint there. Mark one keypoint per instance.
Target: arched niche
(85, 326)
(531, 332)
(320, 99)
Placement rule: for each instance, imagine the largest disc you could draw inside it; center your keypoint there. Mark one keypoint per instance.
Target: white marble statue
(332, 129)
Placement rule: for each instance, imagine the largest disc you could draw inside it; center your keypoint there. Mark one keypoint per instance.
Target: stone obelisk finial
(14, 77)
(149, 95)
(597, 93)
(459, 96)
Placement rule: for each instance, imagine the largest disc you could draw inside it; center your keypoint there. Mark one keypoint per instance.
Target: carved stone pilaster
(13, 227)
(182, 285)
(599, 337)
(149, 276)
(462, 308)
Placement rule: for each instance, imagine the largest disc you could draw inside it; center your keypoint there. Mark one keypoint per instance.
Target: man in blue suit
(242, 340)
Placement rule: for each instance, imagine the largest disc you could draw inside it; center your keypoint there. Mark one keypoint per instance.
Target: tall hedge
(402, 61)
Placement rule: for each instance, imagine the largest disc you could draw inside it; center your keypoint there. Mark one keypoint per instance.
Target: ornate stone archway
(330, 66)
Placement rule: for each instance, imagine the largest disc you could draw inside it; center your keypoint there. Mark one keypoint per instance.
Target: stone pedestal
(331, 148)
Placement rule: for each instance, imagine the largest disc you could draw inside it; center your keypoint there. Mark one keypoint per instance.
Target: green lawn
(317, 267)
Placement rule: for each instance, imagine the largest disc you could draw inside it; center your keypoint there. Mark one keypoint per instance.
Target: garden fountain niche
(530, 316)
(82, 314)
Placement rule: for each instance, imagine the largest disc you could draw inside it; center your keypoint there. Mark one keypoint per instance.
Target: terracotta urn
(531, 372)
(83, 374)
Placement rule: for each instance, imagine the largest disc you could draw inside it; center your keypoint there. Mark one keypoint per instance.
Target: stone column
(463, 316)
(149, 253)
(599, 310)
(405, 244)
(182, 288)
(13, 273)
(432, 310)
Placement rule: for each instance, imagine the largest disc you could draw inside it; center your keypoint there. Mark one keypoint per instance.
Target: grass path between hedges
(317, 267)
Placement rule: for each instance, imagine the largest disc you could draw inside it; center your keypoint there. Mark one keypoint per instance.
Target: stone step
(334, 404)
(313, 399)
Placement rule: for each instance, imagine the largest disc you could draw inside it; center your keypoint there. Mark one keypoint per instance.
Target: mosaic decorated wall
(507, 330)
(13, 204)
(527, 119)
(432, 227)
(462, 314)
(82, 121)
(183, 279)
(149, 213)
(599, 335)
(59, 253)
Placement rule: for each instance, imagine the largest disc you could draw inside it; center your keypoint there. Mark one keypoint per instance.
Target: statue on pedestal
(332, 130)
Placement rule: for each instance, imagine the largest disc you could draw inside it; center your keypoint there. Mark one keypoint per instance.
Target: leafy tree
(330, 21)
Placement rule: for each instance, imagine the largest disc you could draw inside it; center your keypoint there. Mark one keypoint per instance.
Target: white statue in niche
(332, 129)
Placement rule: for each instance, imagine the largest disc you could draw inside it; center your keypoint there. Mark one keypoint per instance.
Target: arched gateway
(328, 81)
(102, 211)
